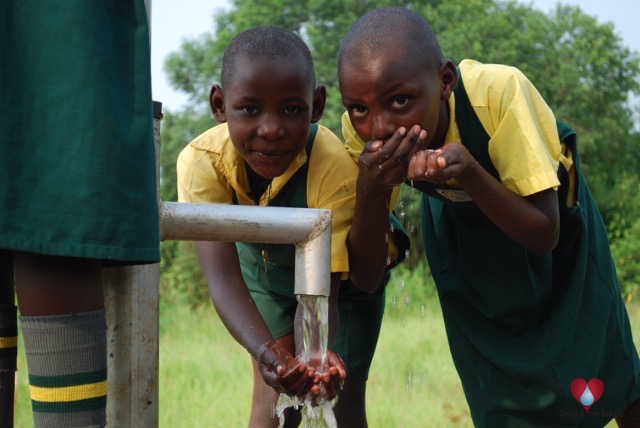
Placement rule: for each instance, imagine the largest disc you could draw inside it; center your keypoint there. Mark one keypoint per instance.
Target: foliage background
(580, 66)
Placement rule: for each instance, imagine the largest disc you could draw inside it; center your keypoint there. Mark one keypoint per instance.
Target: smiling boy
(269, 151)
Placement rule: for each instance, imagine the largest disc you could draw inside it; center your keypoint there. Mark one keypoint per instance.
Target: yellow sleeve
(331, 179)
(352, 142)
(524, 145)
(198, 179)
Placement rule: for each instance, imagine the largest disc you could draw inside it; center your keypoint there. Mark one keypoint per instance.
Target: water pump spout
(313, 260)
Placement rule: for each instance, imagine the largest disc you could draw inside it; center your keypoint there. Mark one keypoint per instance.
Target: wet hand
(385, 162)
(284, 373)
(328, 382)
(451, 161)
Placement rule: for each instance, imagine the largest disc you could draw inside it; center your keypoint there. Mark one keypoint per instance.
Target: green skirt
(77, 158)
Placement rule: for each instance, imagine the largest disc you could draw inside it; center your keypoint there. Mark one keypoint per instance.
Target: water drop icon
(587, 398)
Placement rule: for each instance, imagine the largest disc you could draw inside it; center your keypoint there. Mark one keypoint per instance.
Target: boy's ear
(216, 103)
(448, 78)
(319, 102)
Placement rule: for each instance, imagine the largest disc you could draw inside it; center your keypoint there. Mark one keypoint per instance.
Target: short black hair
(266, 42)
(388, 28)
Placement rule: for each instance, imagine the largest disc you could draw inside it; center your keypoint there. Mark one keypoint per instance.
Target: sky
(174, 21)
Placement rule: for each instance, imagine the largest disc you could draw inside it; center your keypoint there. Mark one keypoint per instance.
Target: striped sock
(67, 361)
(8, 355)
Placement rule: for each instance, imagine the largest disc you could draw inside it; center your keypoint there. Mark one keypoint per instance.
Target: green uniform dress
(271, 283)
(77, 159)
(522, 327)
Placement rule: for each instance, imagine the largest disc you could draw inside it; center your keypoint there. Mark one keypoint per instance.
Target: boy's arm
(230, 295)
(532, 221)
(368, 240)
(382, 167)
(238, 312)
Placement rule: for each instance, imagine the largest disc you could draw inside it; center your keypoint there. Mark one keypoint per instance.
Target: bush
(182, 280)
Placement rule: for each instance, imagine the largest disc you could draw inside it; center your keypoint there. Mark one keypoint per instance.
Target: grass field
(205, 376)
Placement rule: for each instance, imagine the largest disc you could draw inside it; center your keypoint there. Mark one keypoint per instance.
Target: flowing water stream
(316, 412)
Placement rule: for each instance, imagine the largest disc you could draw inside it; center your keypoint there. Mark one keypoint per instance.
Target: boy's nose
(270, 127)
(382, 128)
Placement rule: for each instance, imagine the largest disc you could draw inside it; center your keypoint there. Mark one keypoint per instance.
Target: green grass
(204, 370)
(205, 376)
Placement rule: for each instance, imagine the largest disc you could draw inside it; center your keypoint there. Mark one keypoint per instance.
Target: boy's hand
(328, 382)
(437, 166)
(385, 162)
(281, 371)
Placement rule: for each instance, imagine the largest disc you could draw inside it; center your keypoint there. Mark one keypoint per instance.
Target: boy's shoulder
(215, 139)
(211, 149)
(329, 154)
(484, 78)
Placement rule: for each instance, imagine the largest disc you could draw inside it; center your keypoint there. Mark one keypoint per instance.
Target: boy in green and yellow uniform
(515, 242)
(270, 152)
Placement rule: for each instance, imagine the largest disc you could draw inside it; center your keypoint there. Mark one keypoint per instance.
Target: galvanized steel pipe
(308, 229)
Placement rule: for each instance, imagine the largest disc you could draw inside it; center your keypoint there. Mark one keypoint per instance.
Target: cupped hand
(328, 382)
(436, 166)
(385, 162)
(283, 372)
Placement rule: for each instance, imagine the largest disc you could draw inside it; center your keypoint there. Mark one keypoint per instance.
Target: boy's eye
(358, 110)
(249, 109)
(290, 110)
(399, 102)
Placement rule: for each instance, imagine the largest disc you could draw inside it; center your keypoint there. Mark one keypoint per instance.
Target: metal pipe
(308, 229)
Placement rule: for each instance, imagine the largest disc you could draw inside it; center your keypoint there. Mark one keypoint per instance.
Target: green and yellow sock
(8, 356)
(67, 361)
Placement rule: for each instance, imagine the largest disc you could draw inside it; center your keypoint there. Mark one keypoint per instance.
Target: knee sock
(8, 355)
(67, 362)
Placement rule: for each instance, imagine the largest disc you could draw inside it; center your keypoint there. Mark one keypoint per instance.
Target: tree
(579, 65)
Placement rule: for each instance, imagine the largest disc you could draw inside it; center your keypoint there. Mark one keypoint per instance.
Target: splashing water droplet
(392, 228)
(407, 300)
(402, 214)
(587, 397)
(380, 166)
(401, 204)
(406, 254)
(394, 301)
(401, 284)
(421, 310)
(315, 335)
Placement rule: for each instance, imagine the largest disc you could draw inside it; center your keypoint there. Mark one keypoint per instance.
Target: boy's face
(268, 106)
(393, 90)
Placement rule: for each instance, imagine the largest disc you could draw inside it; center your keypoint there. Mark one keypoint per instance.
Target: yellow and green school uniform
(77, 178)
(522, 327)
(77, 158)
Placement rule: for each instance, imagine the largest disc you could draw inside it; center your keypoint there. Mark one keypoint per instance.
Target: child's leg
(8, 339)
(265, 398)
(350, 410)
(631, 417)
(64, 329)
(358, 333)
